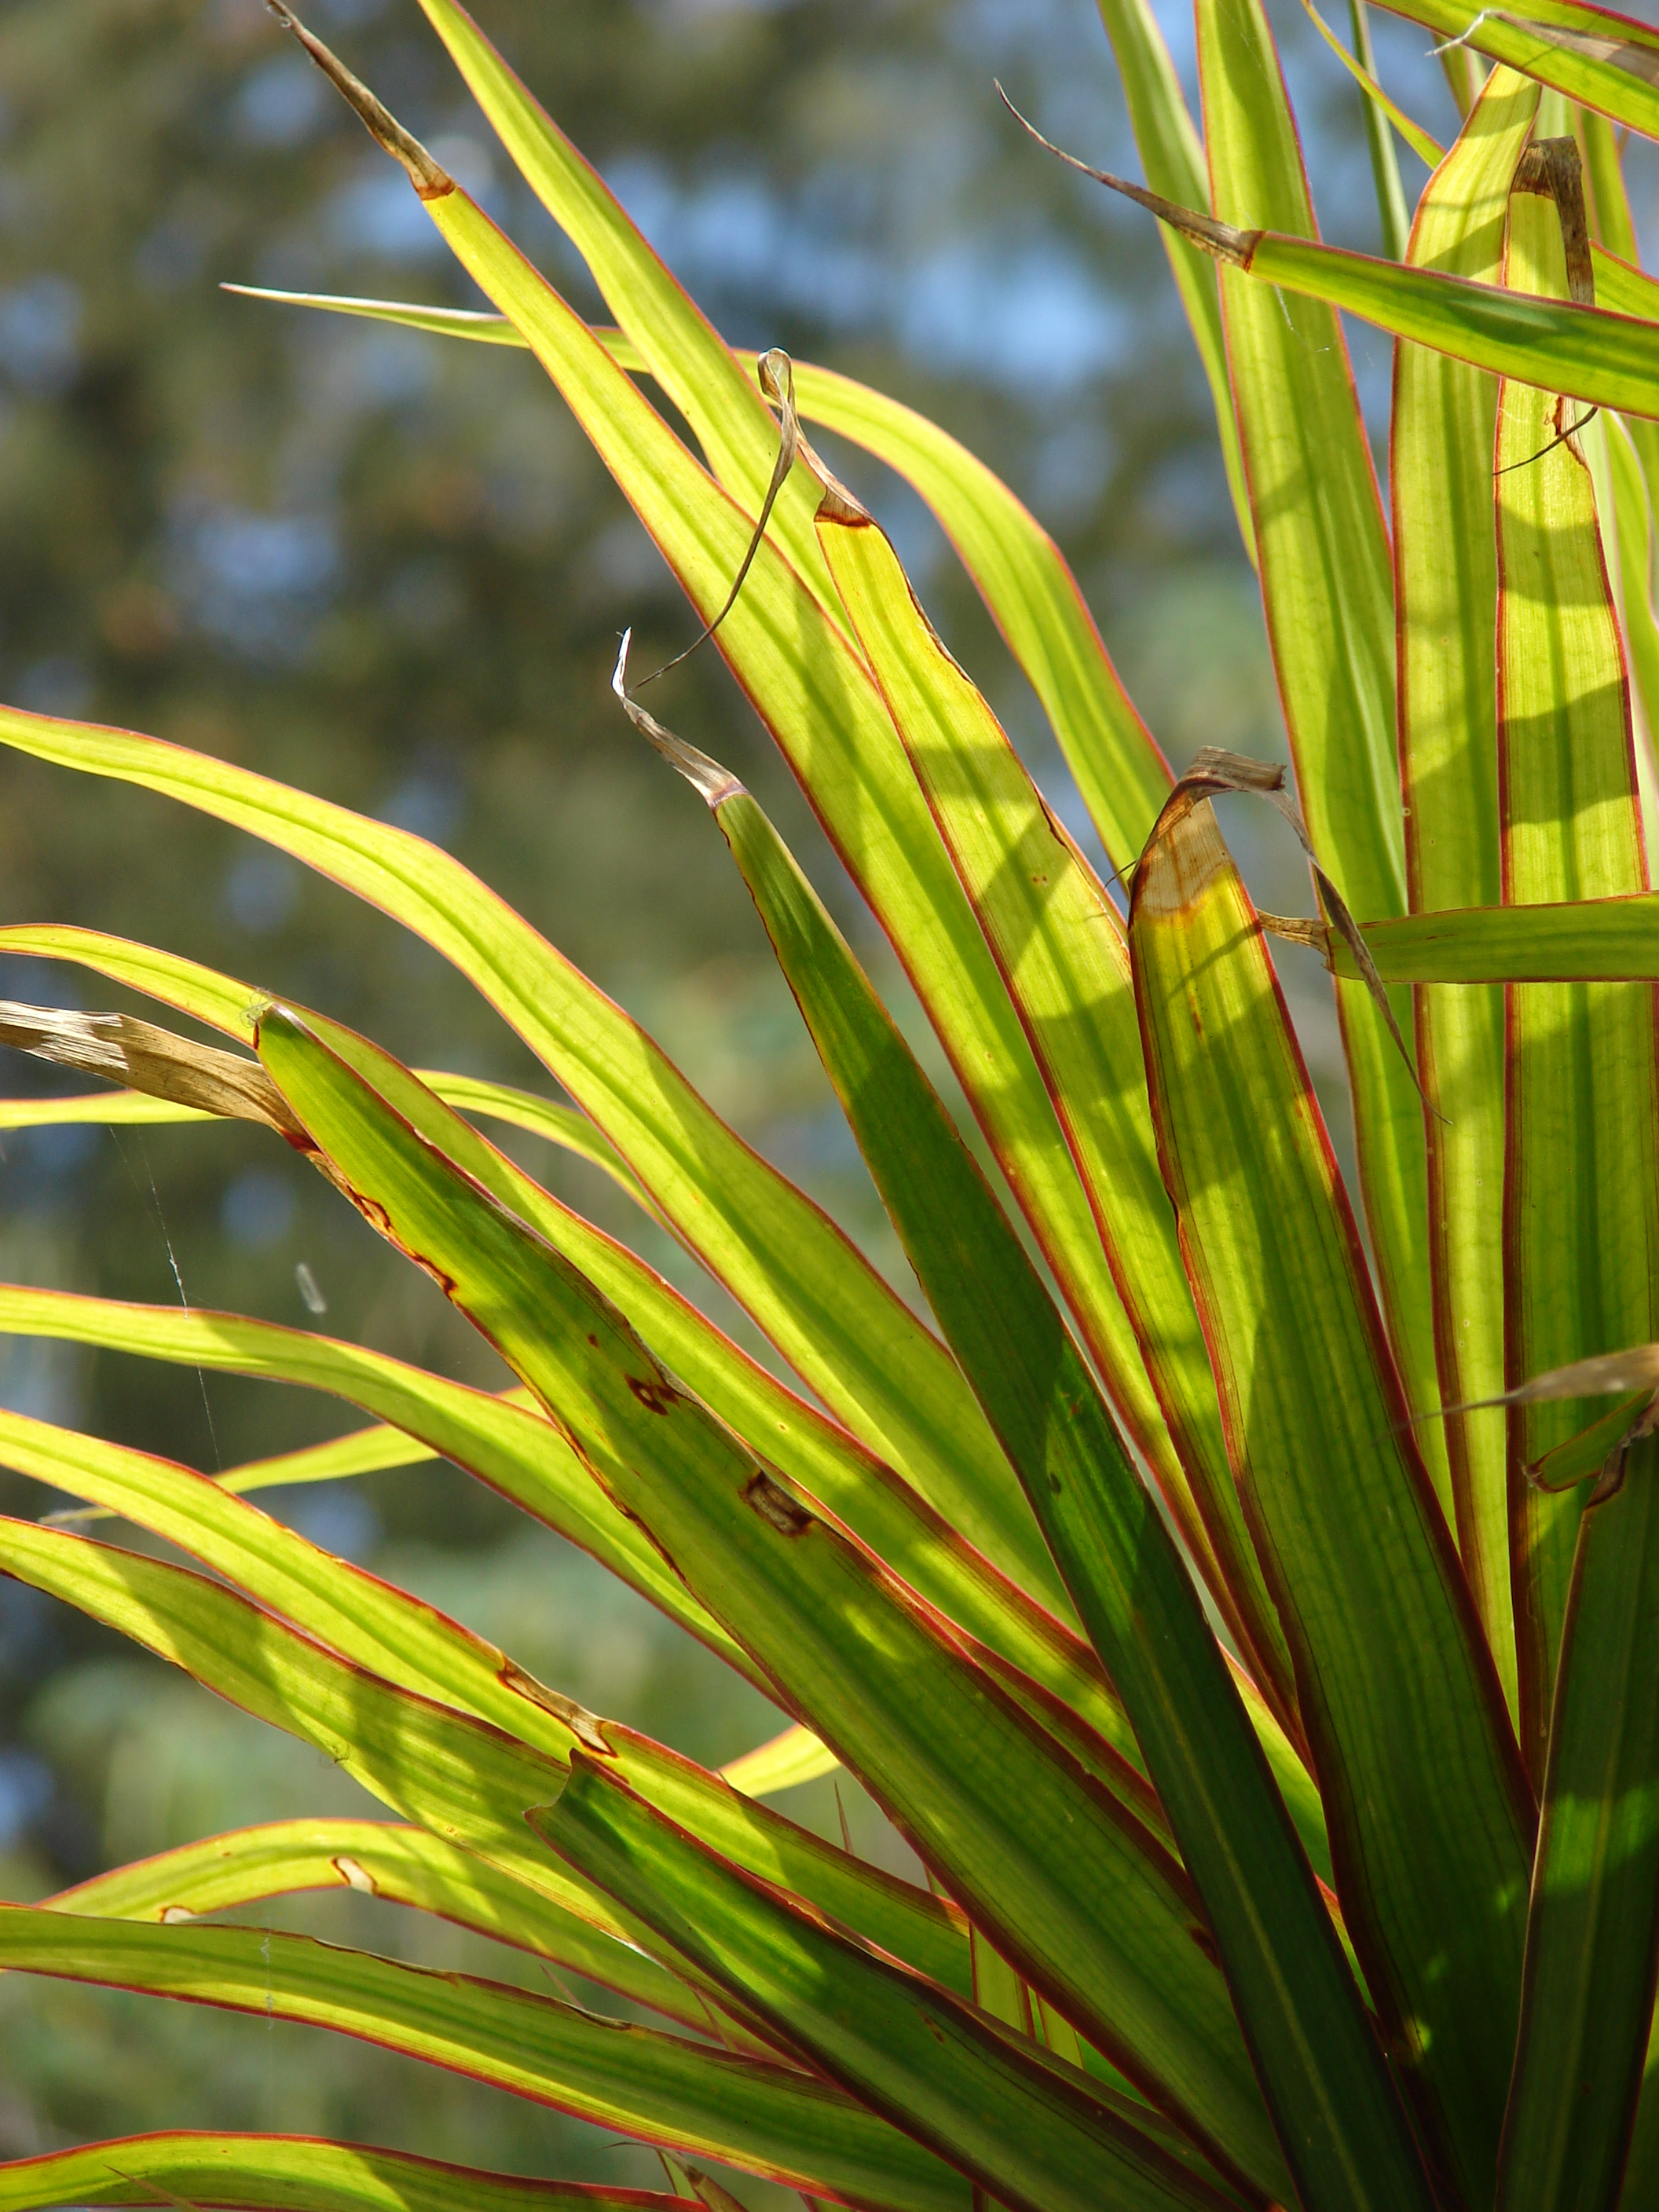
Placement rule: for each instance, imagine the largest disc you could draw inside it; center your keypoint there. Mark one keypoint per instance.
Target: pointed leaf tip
(1222, 240)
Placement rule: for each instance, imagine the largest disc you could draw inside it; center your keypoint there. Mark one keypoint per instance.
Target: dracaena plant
(1351, 1902)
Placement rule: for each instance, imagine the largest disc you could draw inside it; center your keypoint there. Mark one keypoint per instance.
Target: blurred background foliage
(388, 568)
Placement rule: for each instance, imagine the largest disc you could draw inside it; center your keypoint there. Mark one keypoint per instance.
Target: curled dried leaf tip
(706, 777)
(1215, 770)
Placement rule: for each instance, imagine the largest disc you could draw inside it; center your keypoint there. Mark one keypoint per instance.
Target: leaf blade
(1593, 1930)
(937, 2067)
(713, 2104)
(1427, 1803)
(1444, 424)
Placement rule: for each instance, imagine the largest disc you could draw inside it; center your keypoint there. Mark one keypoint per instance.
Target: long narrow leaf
(822, 708)
(460, 1777)
(1059, 942)
(899, 1525)
(1172, 158)
(1037, 2136)
(1581, 1096)
(1609, 61)
(1020, 1836)
(714, 2104)
(762, 1236)
(678, 344)
(511, 1447)
(1444, 421)
(377, 1858)
(1014, 563)
(1593, 1934)
(1563, 941)
(1327, 586)
(1431, 1817)
(275, 2174)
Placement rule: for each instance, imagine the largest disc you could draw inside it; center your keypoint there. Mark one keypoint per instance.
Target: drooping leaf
(511, 1447)
(1013, 561)
(1429, 1815)
(769, 2119)
(464, 1780)
(1019, 1834)
(379, 1858)
(898, 1524)
(1444, 421)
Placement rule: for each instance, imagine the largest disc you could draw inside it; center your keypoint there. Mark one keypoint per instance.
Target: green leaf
(1561, 941)
(378, 1858)
(1172, 159)
(1621, 491)
(464, 1779)
(1022, 1839)
(1444, 422)
(1037, 2135)
(822, 708)
(882, 1510)
(276, 2174)
(1642, 2171)
(1059, 943)
(678, 344)
(1609, 62)
(511, 1447)
(1328, 587)
(1593, 1933)
(766, 2118)
(1580, 1090)
(1430, 1814)
(1337, 2109)
(851, 1337)
(780, 1763)
(1379, 111)
(1013, 561)
(898, 1524)
(1362, 68)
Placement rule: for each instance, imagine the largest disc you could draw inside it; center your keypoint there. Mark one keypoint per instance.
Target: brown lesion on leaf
(583, 1725)
(775, 1506)
(655, 1394)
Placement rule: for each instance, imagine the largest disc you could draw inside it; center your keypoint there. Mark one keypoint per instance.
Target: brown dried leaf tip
(429, 181)
(153, 1061)
(1204, 231)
